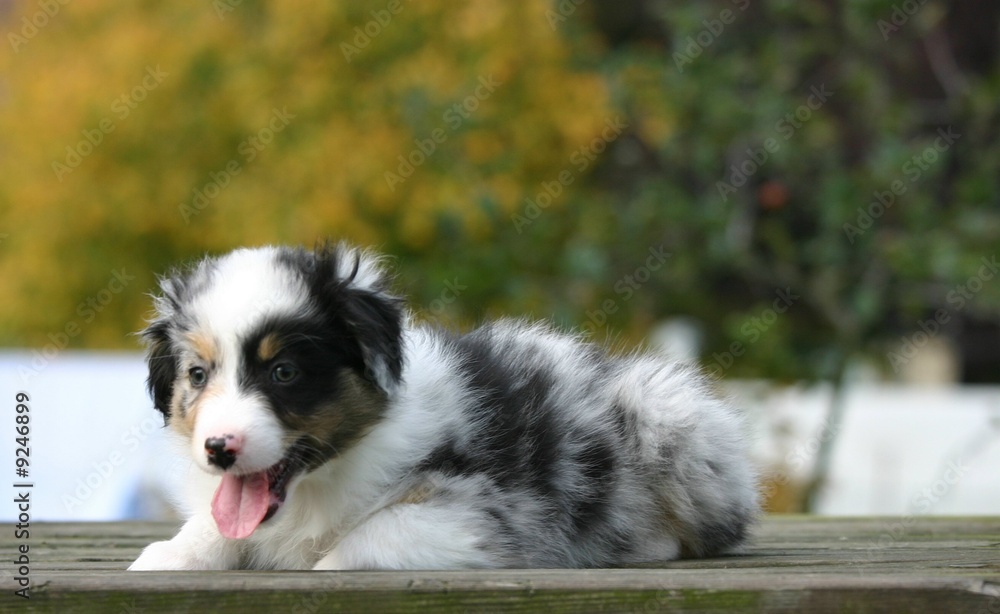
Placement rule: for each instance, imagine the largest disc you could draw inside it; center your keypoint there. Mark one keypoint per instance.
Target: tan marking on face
(269, 347)
(204, 346)
(189, 417)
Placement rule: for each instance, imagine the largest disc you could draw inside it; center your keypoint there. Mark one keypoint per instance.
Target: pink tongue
(240, 504)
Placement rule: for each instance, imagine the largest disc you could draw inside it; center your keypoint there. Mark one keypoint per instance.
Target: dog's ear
(353, 291)
(376, 323)
(163, 366)
(161, 355)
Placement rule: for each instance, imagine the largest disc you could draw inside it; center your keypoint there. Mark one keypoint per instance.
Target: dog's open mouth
(243, 502)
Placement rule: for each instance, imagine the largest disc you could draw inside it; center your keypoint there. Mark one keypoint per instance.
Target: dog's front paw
(166, 555)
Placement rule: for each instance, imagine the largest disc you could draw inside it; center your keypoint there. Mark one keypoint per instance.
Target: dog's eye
(197, 376)
(284, 373)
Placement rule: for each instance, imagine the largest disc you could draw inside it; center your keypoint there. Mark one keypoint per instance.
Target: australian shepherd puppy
(335, 433)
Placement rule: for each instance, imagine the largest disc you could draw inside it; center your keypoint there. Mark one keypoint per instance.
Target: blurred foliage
(867, 273)
(586, 137)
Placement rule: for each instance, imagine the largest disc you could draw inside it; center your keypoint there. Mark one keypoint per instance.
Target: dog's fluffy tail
(693, 448)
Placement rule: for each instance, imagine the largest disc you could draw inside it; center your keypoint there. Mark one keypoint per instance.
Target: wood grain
(794, 564)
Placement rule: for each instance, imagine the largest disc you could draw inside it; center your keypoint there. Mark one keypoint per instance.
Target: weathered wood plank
(793, 564)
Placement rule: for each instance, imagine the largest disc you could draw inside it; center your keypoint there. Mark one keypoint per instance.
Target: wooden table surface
(794, 564)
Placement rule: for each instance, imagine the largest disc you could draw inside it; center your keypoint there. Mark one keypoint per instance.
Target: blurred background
(801, 196)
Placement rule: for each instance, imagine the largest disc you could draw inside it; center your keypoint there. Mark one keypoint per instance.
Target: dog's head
(271, 362)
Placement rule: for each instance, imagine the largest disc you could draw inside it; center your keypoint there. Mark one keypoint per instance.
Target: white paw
(166, 555)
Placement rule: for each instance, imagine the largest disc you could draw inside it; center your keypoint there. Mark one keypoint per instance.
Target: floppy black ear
(162, 365)
(375, 321)
(352, 290)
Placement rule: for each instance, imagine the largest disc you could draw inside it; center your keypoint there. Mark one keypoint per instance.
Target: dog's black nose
(221, 451)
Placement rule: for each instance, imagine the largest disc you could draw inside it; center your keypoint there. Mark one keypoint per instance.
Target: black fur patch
(517, 442)
(521, 441)
(449, 461)
(163, 366)
(316, 401)
(597, 462)
(718, 537)
(369, 321)
(315, 349)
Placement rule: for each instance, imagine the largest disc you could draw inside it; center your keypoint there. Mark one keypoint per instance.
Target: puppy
(335, 433)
